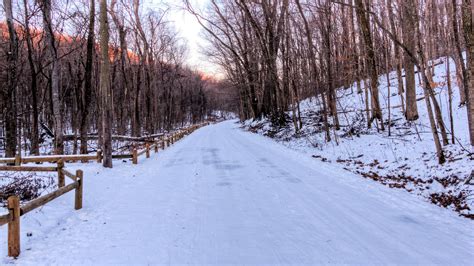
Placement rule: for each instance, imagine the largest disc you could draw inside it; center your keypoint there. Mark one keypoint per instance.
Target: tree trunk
(51, 50)
(33, 85)
(408, 27)
(123, 61)
(457, 43)
(428, 91)
(469, 37)
(11, 86)
(397, 58)
(87, 91)
(450, 98)
(105, 89)
(371, 62)
(330, 81)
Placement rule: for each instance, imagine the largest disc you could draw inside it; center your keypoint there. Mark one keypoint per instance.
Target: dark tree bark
(86, 96)
(10, 89)
(457, 45)
(370, 61)
(408, 26)
(105, 89)
(33, 85)
(54, 75)
(468, 25)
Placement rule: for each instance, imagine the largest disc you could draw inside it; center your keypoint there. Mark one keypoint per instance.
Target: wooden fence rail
(4, 219)
(28, 168)
(15, 210)
(120, 138)
(18, 160)
(164, 142)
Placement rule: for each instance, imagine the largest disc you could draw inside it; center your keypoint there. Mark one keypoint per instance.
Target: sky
(190, 30)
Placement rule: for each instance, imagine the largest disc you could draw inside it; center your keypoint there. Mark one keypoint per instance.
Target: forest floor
(226, 196)
(405, 159)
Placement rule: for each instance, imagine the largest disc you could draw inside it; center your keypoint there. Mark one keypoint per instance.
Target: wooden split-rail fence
(16, 210)
(134, 155)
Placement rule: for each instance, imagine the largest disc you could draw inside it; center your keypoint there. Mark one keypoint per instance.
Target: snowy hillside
(406, 159)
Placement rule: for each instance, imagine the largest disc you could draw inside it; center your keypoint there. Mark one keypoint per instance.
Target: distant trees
(314, 66)
(55, 82)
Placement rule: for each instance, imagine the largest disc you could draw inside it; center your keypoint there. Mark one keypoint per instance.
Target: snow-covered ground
(406, 159)
(226, 196)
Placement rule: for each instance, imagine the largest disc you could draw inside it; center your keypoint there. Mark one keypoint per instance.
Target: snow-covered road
(224, 196)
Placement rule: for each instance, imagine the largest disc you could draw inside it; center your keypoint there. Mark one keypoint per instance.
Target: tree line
(78, 68)
(278, 52)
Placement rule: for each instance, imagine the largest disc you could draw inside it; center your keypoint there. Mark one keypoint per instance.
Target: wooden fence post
(156, 146)
(14, 227)
(135, 156)
(147, 146)
(99, 156)
(17, 159)
(78, 196)
(61, 181)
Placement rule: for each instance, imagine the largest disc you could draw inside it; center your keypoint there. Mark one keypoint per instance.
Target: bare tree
(34, 83)
(54, 75)
(409, 29)
(314, 67)
(105, 89)
(370, 61)
(468, 25)
(86, 95)
(8, 92)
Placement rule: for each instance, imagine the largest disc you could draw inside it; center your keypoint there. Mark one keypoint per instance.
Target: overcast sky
(189, 29)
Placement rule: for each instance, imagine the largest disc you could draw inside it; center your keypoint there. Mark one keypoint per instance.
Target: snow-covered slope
(225, 196)
(404, 160)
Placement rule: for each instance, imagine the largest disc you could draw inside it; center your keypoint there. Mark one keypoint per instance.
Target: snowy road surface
(224, 196)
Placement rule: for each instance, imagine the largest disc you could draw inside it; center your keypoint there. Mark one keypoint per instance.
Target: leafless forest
(240, 132)
(74, 68)
(277, 53)
(71, 69)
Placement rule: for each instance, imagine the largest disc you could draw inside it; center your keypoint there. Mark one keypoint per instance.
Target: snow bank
(404, 160)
